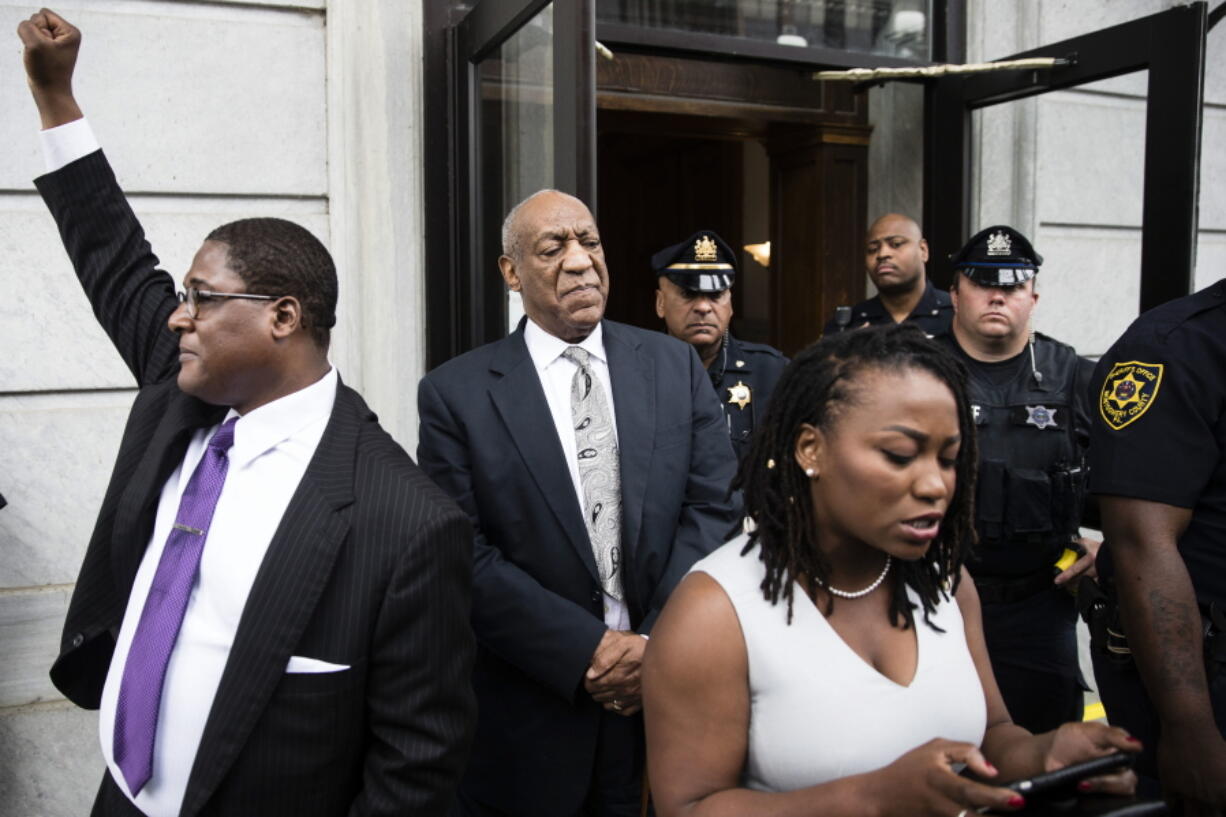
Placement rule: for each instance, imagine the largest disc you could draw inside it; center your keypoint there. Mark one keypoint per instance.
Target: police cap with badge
(702, 263)
(999, 256)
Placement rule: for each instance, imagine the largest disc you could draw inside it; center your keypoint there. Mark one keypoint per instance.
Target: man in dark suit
(594, 459)
(271, 614)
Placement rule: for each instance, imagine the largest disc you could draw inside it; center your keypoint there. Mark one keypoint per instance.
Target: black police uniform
(743, 374)
(932, 314)
(1159, 434)
(1033, 429)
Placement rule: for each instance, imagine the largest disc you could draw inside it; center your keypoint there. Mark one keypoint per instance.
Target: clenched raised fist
(51, 46)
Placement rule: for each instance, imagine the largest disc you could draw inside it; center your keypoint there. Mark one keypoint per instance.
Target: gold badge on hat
(705, 250)
(1128, 391)
(999, 244)
(739, 394)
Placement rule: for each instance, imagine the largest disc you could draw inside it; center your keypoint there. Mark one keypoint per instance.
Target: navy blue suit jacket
(488, 439)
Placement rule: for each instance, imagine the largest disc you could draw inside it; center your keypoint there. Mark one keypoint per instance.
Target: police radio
(842, 317)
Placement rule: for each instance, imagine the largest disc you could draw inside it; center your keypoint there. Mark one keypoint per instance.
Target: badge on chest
(740, 395)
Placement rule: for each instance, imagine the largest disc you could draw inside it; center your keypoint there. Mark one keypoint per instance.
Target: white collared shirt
(556, 373)
(272, 446)
(65, 144)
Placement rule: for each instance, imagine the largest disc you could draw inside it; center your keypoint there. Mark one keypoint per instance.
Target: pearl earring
(810, 473)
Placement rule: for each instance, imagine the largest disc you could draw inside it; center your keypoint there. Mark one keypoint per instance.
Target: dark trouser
(1040, 701)
(112, 802)
(616, 788)
(1033, 646)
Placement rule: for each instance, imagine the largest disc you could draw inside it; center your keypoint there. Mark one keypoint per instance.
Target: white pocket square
(300, 663)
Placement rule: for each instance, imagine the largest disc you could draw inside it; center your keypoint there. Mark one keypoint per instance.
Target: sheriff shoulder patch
(1128, 391)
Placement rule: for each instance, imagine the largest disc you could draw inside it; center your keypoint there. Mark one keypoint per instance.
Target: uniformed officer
(1029, 394)
(895, 252)
(1158, 461)
(694, 297)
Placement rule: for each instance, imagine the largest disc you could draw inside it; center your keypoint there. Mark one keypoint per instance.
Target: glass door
(527, 111)
(1170, 46)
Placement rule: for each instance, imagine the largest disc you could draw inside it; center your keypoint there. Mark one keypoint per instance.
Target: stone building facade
(312, 110)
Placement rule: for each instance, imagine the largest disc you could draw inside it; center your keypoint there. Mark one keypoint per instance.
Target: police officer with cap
(1029, 394)
(895, 252)
(694, 297)
(1158, 461)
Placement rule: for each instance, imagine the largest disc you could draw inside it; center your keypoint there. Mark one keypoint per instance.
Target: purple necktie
(140, 693)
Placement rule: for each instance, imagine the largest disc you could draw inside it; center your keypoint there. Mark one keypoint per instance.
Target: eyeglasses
(194, 297)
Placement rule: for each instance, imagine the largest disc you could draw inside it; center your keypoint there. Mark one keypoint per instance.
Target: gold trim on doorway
(844, 138)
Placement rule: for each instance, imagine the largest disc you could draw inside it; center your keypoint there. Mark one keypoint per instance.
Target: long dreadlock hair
(816, 386)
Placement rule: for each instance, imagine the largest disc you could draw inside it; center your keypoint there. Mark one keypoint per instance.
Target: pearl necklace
(847, 594)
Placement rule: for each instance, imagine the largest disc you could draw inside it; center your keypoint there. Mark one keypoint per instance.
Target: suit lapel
(287, 587)
(633, 375)
(135, 511)
(520, 400)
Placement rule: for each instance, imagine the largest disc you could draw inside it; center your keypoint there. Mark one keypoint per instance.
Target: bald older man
(895, 253)
(594, 461)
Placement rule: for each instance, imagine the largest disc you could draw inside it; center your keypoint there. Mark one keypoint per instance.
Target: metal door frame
(1171, 45)
(465, 297)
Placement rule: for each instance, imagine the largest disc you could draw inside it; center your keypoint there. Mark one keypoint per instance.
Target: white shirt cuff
(65, 144)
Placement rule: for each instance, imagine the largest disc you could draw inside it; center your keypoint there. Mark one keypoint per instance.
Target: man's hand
(1075, 742)
(613, 677)
(1192, 768)
(51, 45)
(1084, 565)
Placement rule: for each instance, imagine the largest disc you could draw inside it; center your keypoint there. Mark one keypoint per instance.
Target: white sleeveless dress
(818, 711)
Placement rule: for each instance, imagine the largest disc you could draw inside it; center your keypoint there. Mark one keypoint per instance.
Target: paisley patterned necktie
(599, 471)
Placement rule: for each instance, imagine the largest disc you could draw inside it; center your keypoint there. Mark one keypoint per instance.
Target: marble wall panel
(1090, 285)
(1210, 259)
(203, 97)
(30, 625)
(1215, 66)
(1213, 169)
(999, 28)
(50, 336)
(50, 763)
(1063, 19)
(313, 5)
(1003, 170)
(896, 151)
(1090, 159)
(58, 455)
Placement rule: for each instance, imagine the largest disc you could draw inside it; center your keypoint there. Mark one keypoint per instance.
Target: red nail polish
(1085, 785)
(1131, 739)
(1016, 801)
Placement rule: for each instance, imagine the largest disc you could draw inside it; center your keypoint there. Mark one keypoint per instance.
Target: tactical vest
(1032, 474)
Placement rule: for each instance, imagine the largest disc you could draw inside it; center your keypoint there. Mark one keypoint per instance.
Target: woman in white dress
(831, 661)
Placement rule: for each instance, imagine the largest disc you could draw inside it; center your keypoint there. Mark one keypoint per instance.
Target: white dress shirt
(272, 447)
(556, 373)
(67, 143)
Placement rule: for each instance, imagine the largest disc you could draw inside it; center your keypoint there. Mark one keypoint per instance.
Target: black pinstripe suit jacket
(370, 567)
